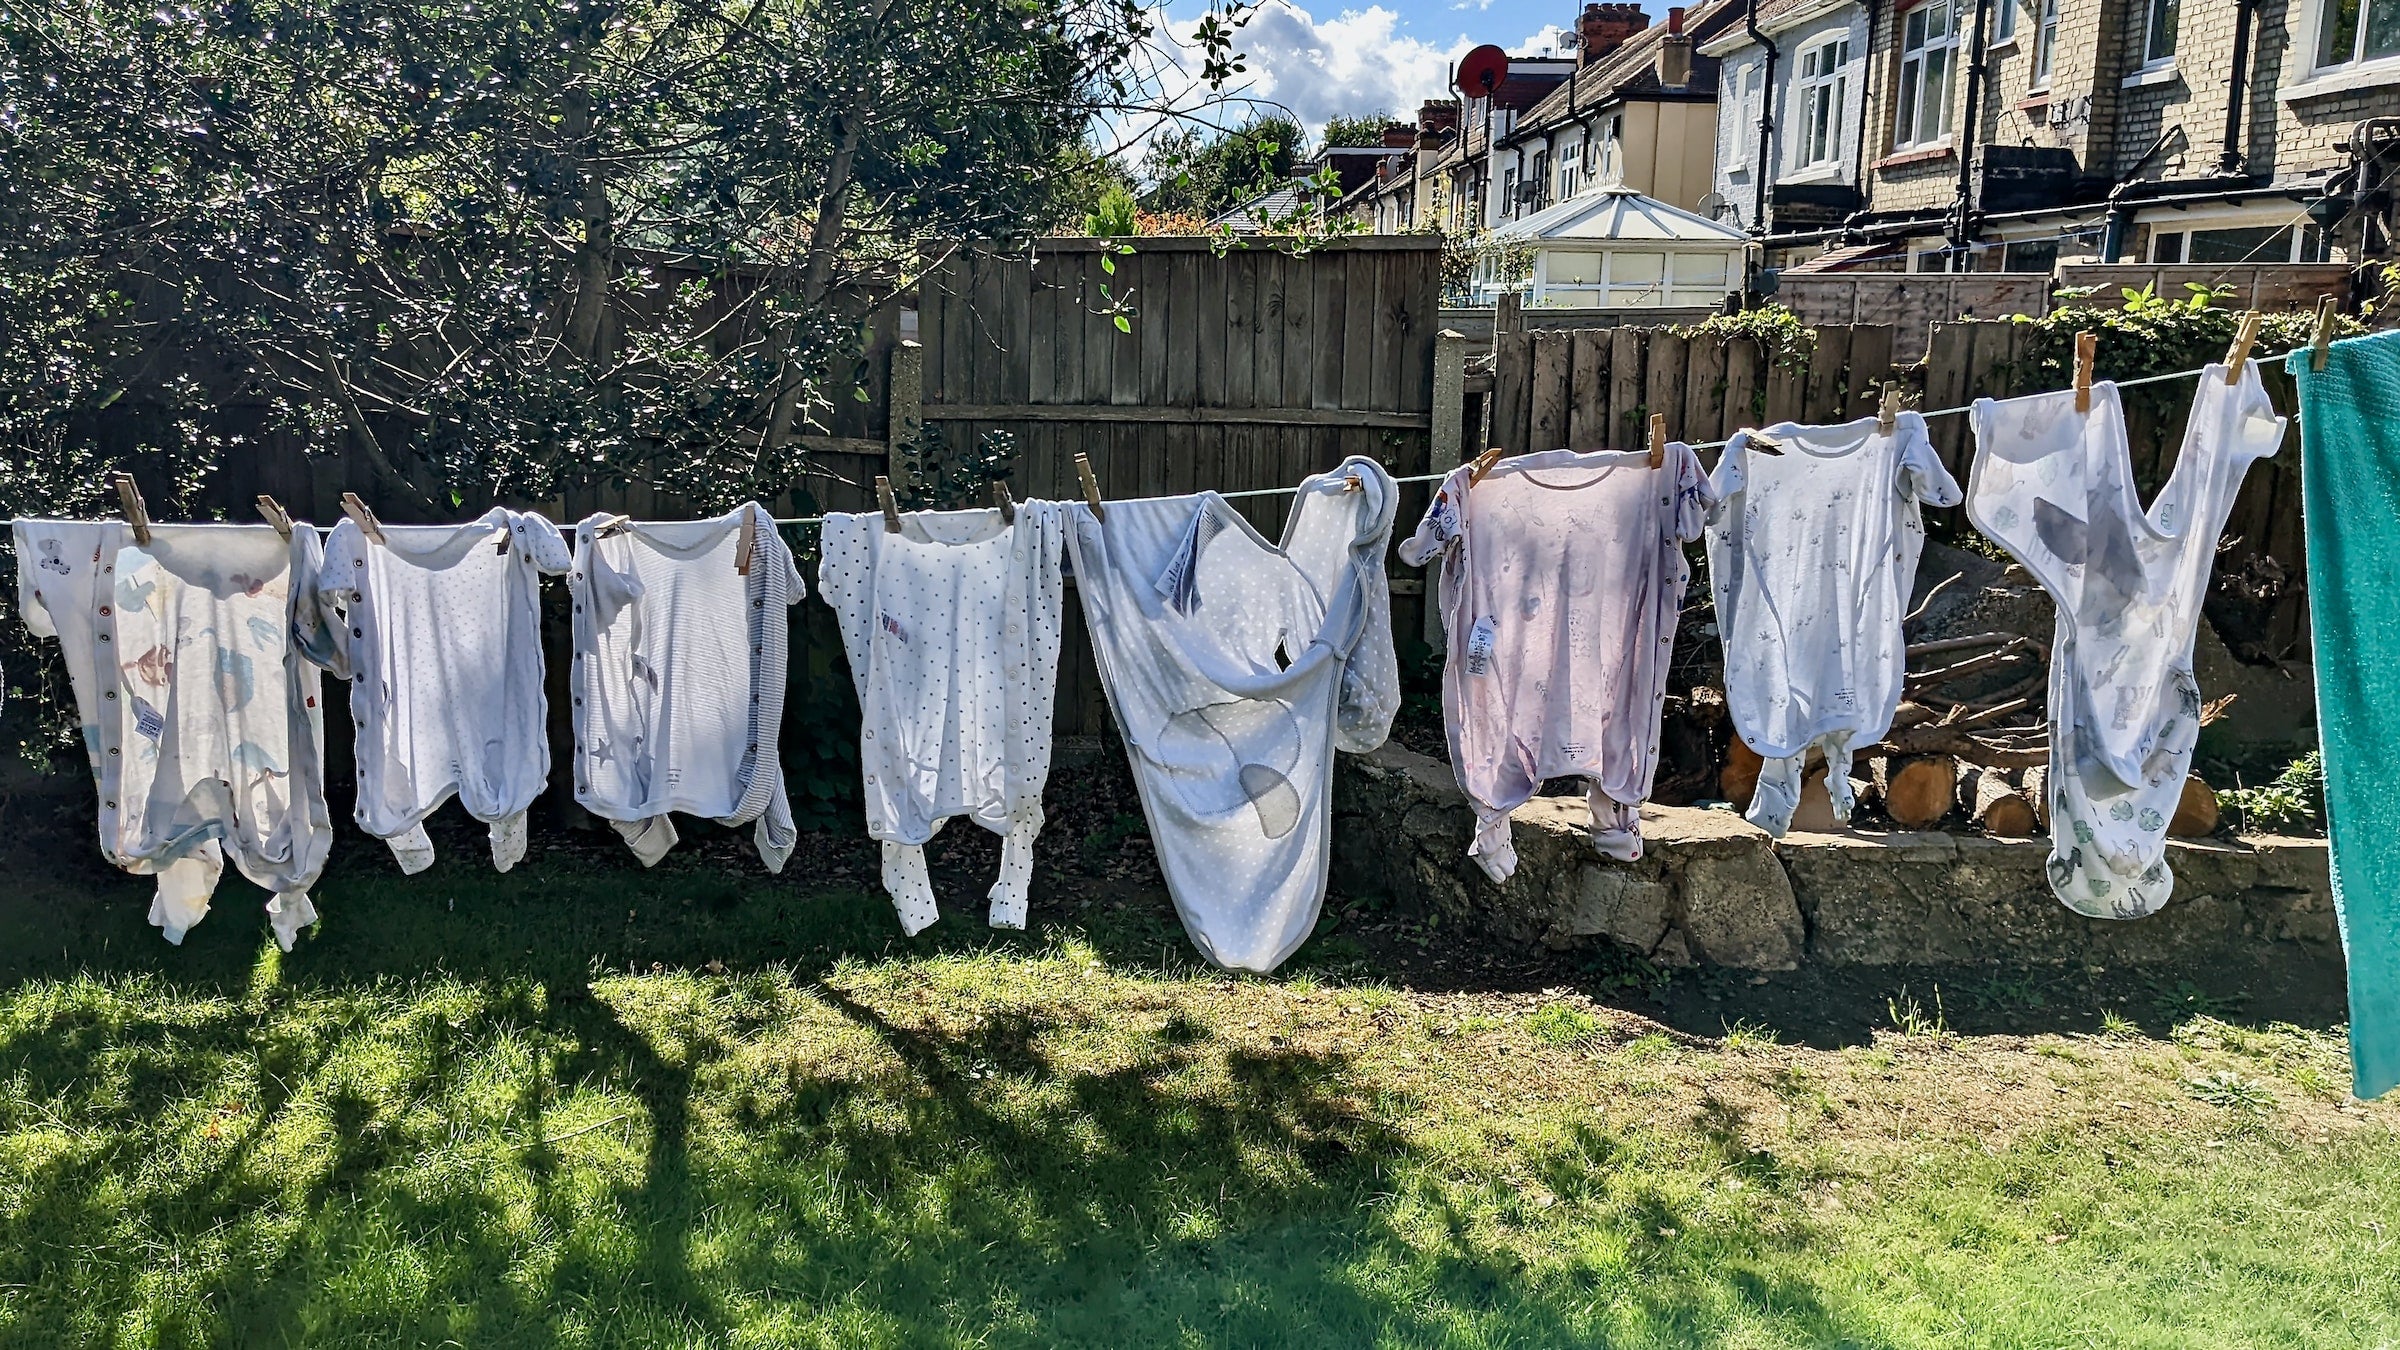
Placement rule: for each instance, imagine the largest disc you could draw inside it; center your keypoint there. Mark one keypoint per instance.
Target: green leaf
(1108, 264)
(1124, 325)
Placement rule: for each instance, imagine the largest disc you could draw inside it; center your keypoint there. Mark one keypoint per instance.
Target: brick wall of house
(2087, 109)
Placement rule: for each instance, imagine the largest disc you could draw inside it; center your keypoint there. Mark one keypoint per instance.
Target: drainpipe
(1856, 221)
(1766, 122)
(1964, 234)
(2229, 159)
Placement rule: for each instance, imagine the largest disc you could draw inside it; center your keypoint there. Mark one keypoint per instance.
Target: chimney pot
(1605, 27)
(1675, 54)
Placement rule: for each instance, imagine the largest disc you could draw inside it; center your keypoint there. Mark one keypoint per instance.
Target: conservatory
(1613, 248)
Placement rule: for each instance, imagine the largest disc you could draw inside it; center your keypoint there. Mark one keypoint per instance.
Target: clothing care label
(1479, 646)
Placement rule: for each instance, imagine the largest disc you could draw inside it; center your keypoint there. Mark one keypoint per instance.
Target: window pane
(1699, 269)
(2166, 248)
(2261, 243)
(1934, 120)
(1573, 268)
(1905, 133)
(1636, 268)
(1914, 35)
(2004, 23)
(2337, 37)
(2162, 30)
(2383, 28)
(2040, 255)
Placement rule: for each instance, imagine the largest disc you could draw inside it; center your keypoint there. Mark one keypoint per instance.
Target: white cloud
(1354, 64)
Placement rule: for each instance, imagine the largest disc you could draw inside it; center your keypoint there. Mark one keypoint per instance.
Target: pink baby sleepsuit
(1562, 575)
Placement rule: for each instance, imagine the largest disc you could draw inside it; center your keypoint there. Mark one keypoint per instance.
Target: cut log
(1994, 802)
(1739, 782)
(1814, 814)
(1917, 790)
(2036, 787)
(2196, 816)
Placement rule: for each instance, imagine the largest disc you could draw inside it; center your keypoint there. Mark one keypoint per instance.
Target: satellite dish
(1482, 71)
(1713, 203)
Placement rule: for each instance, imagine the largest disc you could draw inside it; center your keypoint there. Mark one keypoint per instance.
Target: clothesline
(1437, 477)
(1698, 445)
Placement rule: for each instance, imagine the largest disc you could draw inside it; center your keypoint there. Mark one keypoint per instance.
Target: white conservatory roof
(1614, 215)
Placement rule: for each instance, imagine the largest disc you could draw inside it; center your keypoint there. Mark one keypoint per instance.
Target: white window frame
(1823, 78)
(2004, 22)
(2045, 43)
(2153, 59)
(1921, 47)
(2319, 31)
(1753, 79)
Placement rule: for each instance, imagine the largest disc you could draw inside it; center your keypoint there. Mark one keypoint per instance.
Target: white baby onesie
(438, 630)
(1562, 577)
(2056, 489)
(952, 628)
(1235, 669)
(679, 677)
(1812, 553)
(200, 713)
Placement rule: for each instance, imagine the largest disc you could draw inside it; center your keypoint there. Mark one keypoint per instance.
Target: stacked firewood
(1983, 755)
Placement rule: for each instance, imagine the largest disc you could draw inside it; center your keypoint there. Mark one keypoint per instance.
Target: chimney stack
(1398, 137)
(1605, 27)
(1434, 117)
(1675, 53)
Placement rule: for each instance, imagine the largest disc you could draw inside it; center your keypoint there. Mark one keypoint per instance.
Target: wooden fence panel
(1243, 372)
(1587, 421)
(1550, 396)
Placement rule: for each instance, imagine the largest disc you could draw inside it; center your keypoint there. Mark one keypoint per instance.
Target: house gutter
(1963, 234)
(2229, 158)
(1766, 122)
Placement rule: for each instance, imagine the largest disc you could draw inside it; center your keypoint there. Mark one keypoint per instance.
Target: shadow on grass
(978, 1188)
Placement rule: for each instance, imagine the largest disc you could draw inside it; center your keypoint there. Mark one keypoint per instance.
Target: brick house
(2209, 131)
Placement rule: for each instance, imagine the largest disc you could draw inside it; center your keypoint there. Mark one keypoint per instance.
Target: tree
(505, 248)
(1355, 131)
(1203, 172)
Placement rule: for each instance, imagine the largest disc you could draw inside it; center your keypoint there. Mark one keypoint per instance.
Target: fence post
(907, 409)
(1449, 441)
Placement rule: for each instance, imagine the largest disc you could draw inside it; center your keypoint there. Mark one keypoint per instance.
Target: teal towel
(2350, 489)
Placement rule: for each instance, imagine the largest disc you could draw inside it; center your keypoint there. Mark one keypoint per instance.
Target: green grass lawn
(589, 1105)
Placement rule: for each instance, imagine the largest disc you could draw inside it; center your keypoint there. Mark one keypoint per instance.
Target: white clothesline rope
(1437, 477)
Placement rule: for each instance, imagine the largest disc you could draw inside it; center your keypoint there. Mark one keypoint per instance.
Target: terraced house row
(1939, 135)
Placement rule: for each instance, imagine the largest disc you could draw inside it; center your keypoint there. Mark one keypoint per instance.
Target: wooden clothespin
(891, 508)
(2239, 352)
(1483, 465)
(2087, 350)
(1006, 503)
(137, 512)
(358, 511)
(1658, 440)
(1091, 486)
(1762, 443)
(1887, 414)
(2322, 340)
(746, 546)
(1353, 483)
(276, 516)
(611, 526)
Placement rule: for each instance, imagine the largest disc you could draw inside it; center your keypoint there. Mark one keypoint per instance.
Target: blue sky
(1323, 60)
